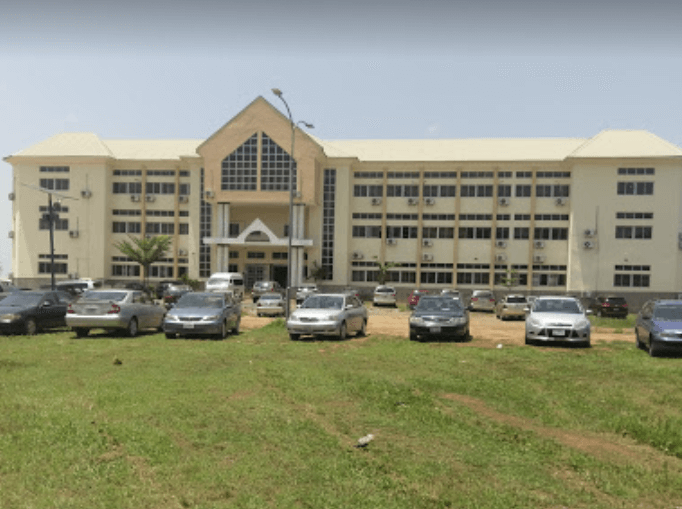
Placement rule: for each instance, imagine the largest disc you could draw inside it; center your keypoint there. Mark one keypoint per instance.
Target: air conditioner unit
(539, 244)
(376, 201)
(10, 234)
(427, 243)
(501, 243)
(413, 201)
(538, 258)
(183, 198)
(391, 242)
(150, 197)
(208, 193)
(588, 244)
(73, 275)
(429, 201)
(86, 193)
(182, 252)
(504, 201)
(11, 196)
(357, 255)
(427, 257)
(561, 201)
(590, 233)
(135, 197)
(500, 257)
(73, 234)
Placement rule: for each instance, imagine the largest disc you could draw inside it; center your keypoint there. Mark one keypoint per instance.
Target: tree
(145, 251)
(317, 272)
(510, 279)
(382, 275)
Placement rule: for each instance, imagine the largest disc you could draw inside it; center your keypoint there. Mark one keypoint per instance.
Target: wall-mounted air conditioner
(73, 234)
(376, 201)
(539, 244)
(11, 196)
(427, 257)
(182, 252)
(538, 258)
(590, 232)
(427, 242)
(357, 255)
(504, 201)
(501, 257)
(588, 244)
(208, 193)
(10, 234)
(413, 201)
(73, 275)
(501, 243)
(183, 198)
(135, 197)
(86, 193)
(391, 242)
(429, 201)
(150, 197)
(561, 201)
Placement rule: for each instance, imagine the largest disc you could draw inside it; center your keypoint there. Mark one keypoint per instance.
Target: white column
(298, 232)
(223, 227)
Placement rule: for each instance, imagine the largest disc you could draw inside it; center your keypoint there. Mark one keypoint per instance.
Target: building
(583, 216)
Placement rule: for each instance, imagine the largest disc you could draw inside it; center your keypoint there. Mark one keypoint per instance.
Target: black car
(162, 285)
(610, 305)
(438, 317)
(25, 312)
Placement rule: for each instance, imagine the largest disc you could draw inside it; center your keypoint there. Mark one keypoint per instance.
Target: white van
(226, 282)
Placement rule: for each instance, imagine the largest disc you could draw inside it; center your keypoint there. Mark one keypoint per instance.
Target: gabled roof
(67, 144)
(626, 144)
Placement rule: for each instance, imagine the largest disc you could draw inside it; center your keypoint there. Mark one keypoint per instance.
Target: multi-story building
(583, 216)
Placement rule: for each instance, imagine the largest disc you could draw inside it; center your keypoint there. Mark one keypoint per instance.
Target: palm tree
(145, 251)
(382, 274)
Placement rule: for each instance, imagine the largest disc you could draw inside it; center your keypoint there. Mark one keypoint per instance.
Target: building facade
(579, 216)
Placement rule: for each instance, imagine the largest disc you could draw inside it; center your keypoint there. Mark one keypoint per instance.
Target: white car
(270, 304)
(328, 314)
(384, 296)
(557, 319)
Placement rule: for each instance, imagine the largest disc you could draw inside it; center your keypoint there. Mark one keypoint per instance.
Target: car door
(48, 312)
(644, 322)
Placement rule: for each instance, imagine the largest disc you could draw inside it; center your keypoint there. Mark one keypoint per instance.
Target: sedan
(511, 306)
(414, 297)
(201, 313)
(303, 292)
(385, 296)
(610, 305)
(114, 309)
(560, 319)
(25, 312)
(262, 287)
(270, 304)
(439, 317)
(328, 314)
(659, 326)
(173, 292)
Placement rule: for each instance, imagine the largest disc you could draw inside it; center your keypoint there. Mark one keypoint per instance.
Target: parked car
(6, 287)
(227, 282)
(77, 286)
(27, 312)
(414, 297)
(561, 319)
(384, 296)
(439, 317)
(271, 304)
(450, 292)
(262, 287)
(303, 292)
(160, 286)
(659, 326)
(610, 305)
(351, 290)
(173, 292)
(328, 314)
(114, 309)
(200, 313)
(511, 306)
(482, 300)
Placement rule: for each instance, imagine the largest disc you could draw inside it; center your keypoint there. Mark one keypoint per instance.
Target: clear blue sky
(355, 69)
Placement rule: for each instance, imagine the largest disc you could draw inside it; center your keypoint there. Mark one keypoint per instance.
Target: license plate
(187, 325)
(434, 330)
(559, 332)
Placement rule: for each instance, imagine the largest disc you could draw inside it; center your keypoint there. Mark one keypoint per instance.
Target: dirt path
(487, 330)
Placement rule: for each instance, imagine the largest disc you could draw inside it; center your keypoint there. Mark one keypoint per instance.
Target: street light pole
(279, 94)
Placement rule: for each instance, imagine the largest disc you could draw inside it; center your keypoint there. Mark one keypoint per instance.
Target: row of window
(150, 187)
(462, 217)
(150, 227)
(465, 174)
(150, 173)
(464, 232)
(466, 191)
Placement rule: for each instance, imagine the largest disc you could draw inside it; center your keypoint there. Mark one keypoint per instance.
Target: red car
(414, 297)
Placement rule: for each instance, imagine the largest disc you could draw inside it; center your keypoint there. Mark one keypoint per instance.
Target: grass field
(258, 421)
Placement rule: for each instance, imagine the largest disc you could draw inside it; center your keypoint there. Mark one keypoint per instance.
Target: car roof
(668, 302)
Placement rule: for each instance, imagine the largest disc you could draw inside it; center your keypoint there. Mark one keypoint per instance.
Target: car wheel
(81, 332)
(171, 335)
(638, 341)
(30, 327)
(363, 329)
(235, 329)
(529, 341)
(132, 328)
(654, 348)
(466, 336)
(223, 331)
(413, 336)
(294, 337)
(342, 331)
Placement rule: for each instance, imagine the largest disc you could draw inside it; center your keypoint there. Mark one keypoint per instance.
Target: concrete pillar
(223, 231)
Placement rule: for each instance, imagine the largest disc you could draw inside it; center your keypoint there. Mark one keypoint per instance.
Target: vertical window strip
(328, 205)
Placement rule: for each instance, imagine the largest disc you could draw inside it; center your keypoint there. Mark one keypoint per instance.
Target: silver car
(560, 319)
(203, 313)
(511, 306)
(127, 310)
(384, 296)
(303, 292)
(262, 287)
(328, 314)
(270, 304)
(482, 300)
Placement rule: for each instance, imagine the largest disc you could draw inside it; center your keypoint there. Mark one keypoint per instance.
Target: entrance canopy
(258, 234)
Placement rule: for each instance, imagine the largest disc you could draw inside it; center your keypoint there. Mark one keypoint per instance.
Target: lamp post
(279, 94)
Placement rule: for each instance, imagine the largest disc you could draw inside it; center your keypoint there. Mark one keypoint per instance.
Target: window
(475, 217)
(477, 174)
(365, 190)
(369, 175)
(125, 270)
(550, 234)
(240, 168)
(46, 267)
(438, 232)
(403, 175)
(126, 227)
(275, 165)
(521, 233)
(438, 217)
(127, 187)
(54, 169)
(477, 191)
(623, 278)
(434, 191)
(434, 277)
(501, 233)
(523, 190)
(635, 188)
(551, 217)
(401, 217)
(504, 190)
(553, 174)
(634, 215)
(360, 231)
(255, 255)
(60, 224)
(55, 184)
(474, 232)
(633, 232)
(524, 174)
(552, 191)
(549, 279)
(402, 190)
(440, 174)
(367, 215)
(160, 188)
(636, 171)
(328, 207)
(473, 278)
(401, 232)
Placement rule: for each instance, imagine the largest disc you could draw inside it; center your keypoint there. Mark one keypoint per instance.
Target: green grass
(618, 324)
(259, 421)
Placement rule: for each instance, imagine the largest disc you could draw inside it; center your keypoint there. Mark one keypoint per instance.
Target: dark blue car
(24, 312)
(659, 326)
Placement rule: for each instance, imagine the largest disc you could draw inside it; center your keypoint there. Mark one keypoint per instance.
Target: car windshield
(200, 300)
(217, 281)
(517, 300)
(323, 302)
(665, 313)
(438, 304)
(262, 284)
(615, 300)
(17, 299)
(557, 306)
(385, 289)
(108, 296)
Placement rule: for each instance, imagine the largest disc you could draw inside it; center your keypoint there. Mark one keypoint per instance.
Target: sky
(356, 69)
